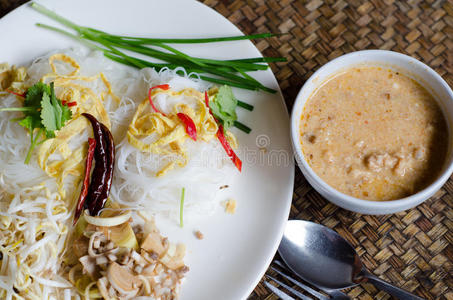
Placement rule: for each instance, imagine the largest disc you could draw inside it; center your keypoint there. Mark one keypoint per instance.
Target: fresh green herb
(223, 106)
(229, 72)
(181, 208)
(53, 113)
(42, 111)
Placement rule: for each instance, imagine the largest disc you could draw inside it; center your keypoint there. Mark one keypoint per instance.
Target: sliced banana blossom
(107, 221)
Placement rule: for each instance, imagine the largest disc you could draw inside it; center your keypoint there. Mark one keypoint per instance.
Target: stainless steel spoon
(322, 257)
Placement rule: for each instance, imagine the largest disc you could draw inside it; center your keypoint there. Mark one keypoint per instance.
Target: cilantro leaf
(30, 122)
(66, 114)
(43, 111)
(57, 107)
(34, 94)
(48, 116)
(223, 106)
(53, 114)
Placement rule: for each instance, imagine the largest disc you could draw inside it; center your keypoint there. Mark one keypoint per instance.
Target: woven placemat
(413, 249)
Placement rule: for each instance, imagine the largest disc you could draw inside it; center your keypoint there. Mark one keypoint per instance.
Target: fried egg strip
(167, 132)
(55, 155)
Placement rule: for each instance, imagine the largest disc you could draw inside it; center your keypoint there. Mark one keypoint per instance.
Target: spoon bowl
(325, 259)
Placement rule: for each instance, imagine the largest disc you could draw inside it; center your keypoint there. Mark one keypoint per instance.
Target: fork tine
(335, 294)
(300, 284)
(277, 292)
(284, 285)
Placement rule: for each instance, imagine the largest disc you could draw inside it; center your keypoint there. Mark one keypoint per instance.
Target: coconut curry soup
(374, 134)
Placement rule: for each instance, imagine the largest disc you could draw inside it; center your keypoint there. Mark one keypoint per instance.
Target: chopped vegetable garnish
(231, 72)
(163, 87)
(43, 111)
(206, 100)
(191, 129)
(181, 207)
(236, 160)
(69, 104)
(223, 106)
(86, 179)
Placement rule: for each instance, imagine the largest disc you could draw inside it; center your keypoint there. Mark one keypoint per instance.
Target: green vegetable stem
(227, 72)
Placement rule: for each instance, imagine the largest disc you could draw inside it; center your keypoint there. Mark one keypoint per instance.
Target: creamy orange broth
(374, 134)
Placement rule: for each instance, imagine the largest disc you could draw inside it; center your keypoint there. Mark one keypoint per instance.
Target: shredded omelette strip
(168, 132)
(12, 78)
(69, 88)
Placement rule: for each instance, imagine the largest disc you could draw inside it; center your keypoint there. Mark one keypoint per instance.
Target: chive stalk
(181, 208)
(242, 127)
(145, 41)
(230, 72)
(245, 105)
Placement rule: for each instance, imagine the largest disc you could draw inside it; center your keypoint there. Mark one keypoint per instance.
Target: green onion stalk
(228, 72)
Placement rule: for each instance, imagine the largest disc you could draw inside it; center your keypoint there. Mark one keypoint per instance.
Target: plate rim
(291, 168)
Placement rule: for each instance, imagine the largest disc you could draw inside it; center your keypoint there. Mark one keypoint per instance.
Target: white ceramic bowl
(408, 66)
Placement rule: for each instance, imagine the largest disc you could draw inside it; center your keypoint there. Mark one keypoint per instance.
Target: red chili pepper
(104, 157)
(236, 160)
(69, 104)
(191, 129)
(206, 99)
(86, 179)
(17, 94)
(163, 87)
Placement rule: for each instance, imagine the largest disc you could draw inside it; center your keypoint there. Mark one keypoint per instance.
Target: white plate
(236, 250)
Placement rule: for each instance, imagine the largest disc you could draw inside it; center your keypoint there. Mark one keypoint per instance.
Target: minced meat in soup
(374, 134)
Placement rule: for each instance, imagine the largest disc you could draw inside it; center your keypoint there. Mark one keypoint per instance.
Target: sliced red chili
(69, 104)
(17, 94)
(86, 179)
(206, 99)
(191, 129)
(236, 160)
(163, 87)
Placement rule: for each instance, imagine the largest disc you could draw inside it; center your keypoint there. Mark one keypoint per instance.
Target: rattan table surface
(412, 249)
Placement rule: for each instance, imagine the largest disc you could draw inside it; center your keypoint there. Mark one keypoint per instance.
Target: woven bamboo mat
(413, 249)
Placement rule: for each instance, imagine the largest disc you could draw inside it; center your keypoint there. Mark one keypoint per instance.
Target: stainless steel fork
(282, 270)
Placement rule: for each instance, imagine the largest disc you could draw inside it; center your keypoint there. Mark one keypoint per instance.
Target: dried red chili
(191, 129)
(163, 87)
(110, 152)
(101, 178)
(86, 179)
